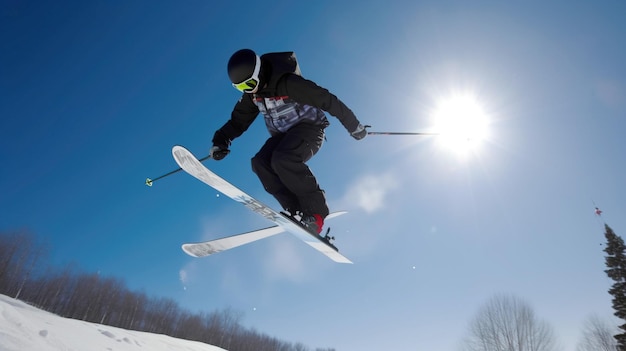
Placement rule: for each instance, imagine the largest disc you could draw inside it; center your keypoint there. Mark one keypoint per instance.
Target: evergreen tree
(616, 263)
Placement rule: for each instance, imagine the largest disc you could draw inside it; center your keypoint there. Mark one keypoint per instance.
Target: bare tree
(506, 323)
(597, 335)
(18, 258)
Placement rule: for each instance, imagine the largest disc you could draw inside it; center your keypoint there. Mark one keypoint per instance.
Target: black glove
(360, 132)
(218, 152)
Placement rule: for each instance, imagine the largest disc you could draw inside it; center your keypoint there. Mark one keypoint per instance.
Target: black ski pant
(281, 166)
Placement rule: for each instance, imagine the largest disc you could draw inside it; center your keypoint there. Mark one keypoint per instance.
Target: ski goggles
(251, 84)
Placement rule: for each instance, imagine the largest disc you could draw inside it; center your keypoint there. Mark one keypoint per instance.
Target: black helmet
(243, 70)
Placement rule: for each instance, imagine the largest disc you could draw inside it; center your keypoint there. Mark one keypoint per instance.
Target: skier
(293, 110)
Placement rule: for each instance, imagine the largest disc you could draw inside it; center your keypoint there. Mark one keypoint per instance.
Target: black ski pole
(149, 181)
(401, 133)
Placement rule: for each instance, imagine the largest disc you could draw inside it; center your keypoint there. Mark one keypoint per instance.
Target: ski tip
(336, 214)
(179, 148)
(187, 251)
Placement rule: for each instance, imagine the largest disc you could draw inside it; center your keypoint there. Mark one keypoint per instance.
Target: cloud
(283, 260)
(183, 276)
(370, 192)
(187, 275)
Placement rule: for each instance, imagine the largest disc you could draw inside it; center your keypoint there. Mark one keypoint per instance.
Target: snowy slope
(23, 327)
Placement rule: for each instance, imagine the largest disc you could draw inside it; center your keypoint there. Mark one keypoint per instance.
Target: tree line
(25, 274)
(504, 323)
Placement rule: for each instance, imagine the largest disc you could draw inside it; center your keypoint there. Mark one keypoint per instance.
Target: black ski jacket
(286, 100)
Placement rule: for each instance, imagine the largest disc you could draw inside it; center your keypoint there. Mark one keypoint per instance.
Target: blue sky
(95, 94)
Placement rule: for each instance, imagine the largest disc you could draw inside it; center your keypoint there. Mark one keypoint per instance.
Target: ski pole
(401, 133)
(149, 181)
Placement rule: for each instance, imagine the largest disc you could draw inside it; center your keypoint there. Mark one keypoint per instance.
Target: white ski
(214, 246)
(207, 248)
(190, 164)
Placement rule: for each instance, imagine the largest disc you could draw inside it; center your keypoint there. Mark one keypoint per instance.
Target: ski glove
(217, 152)
(360, 132)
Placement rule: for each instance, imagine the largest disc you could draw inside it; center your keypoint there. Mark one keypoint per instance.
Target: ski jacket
(285, 100)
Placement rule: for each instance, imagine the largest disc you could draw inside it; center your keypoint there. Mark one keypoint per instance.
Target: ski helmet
(244, 67)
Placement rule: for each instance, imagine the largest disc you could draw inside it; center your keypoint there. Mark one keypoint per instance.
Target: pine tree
(616, 263)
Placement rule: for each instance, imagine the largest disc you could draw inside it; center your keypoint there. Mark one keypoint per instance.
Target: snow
(23, 327)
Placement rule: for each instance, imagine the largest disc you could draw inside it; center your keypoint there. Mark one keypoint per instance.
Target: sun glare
(461, 123)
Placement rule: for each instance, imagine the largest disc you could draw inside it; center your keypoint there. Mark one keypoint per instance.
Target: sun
(461, 123)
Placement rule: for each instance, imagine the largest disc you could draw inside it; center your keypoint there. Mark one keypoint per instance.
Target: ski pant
(281, 166)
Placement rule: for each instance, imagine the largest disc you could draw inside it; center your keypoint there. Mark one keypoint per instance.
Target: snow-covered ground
(23, 327)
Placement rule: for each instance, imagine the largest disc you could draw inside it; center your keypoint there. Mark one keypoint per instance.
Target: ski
(190, 164)
(206, 248)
